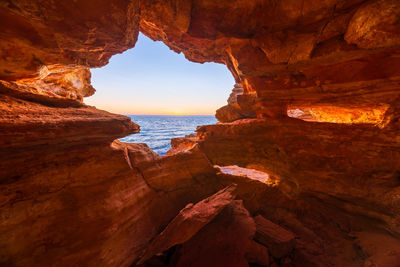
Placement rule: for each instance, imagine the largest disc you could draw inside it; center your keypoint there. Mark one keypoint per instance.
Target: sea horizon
(166, 114)
(158, 130)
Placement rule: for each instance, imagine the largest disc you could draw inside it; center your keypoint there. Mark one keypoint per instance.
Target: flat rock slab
(189, 221)
(279, 241)
(225, 241)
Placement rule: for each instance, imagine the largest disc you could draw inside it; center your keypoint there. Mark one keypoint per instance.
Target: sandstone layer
(319, 114)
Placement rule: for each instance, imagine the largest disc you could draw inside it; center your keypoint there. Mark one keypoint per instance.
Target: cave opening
(162, 91)
(337, 114)
(250, 173)
(319, 189)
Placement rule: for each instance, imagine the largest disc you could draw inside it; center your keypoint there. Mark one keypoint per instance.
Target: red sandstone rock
(230, 113)
(65, 81)
(85, 33)
(279, 241)
(237, 90)
(77, 199)
(375, 25)
(222, 242)
(189, 221)
(246, 173)
(69, 198)
(301, 166)
(378, 255)
(181, 144)
(317, 207)
(99, 208)
(239, 107)
(29, 119)
(257, 254)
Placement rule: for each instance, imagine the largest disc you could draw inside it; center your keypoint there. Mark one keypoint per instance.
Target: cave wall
(72, 195)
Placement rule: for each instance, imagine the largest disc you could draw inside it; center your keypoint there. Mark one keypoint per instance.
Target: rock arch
(72, 195)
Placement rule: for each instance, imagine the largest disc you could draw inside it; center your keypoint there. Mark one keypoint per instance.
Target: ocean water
(157, 130)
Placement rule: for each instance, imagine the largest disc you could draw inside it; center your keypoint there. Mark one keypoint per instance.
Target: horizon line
(167, 114)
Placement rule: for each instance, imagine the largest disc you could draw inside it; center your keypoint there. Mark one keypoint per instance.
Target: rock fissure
(147, 183)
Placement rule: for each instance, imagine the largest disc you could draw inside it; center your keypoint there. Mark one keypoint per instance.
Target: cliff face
(72, 195)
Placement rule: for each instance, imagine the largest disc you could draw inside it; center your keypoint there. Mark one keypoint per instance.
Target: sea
(158, 130)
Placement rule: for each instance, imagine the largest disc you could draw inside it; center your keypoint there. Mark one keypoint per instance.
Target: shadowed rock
(279, 241)
(223, 242)
(189, 221)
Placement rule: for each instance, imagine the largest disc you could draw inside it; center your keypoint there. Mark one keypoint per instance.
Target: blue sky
(152, 79)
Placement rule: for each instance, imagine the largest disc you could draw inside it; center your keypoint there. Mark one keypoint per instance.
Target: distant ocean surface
(157, 130)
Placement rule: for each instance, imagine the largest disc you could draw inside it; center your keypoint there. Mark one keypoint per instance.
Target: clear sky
(152, 79)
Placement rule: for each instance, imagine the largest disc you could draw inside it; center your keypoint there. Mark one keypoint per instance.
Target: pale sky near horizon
(152, 79)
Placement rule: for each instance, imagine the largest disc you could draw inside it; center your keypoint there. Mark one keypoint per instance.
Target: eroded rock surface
(70, 195)
(239, 106)
(83, 33)
(279, 241)
(73, 196)
(189, 221)
(231, 233)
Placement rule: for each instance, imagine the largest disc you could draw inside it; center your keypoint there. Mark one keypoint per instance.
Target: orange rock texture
(319, 114)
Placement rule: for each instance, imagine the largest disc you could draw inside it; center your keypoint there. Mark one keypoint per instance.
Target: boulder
(279, 241)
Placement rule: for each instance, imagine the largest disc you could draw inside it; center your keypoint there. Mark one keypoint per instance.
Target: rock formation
(236, 91)
(239, 106)
(319, 114)
(189, 221)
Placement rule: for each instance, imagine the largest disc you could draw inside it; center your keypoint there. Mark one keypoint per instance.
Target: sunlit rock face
(334, 114)
(239, 106)
(236, 91)
(66, 81)
(86, 33)
(290, 53)
(73, 196)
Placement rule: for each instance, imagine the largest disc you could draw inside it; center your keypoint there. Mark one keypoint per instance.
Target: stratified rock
(239, 106)
(242, 110)
(27, 118)
(291, 155)
(70, 195)
(82, 198)
(279, 241)
(181, 144)
(222, 242)
(375, 25)
(87, 33)
(307, 197)
(71, 82)
(229, 113)
(99, 209)
(237, 90)
(189, 221)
